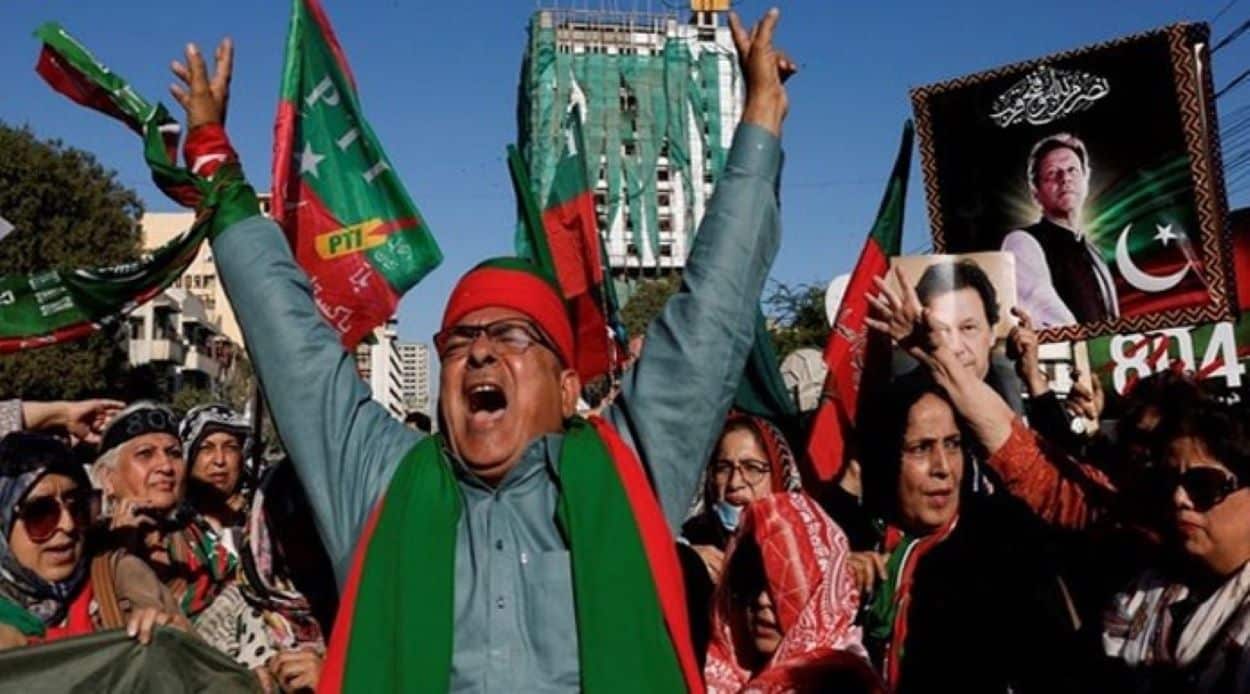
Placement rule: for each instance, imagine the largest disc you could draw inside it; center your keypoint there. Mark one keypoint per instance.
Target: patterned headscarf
(24, 460)
(265, 584)
(200, 565)
(813, 592)
(203, 420)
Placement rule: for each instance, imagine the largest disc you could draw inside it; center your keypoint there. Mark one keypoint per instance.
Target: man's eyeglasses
(1205, 486)
(510, 336)
(751, 471)
(42, 515)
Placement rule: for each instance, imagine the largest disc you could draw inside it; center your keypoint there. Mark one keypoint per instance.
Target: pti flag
(351, 223)
(565, 240)
(846, 348)
(68, 304)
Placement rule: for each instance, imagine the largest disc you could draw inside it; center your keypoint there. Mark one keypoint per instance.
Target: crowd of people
(975, 542)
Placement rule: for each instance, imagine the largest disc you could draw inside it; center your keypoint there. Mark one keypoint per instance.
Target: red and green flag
(58, 306)
(349, 219)
(845, 351)
(564, 239)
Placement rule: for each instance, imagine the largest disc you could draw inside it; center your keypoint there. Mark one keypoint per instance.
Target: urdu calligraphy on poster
(1046, 95)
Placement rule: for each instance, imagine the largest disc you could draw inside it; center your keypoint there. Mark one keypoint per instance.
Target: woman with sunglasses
(1185, 625)
(50, 587)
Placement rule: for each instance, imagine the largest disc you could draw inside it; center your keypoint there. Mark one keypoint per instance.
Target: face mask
(728, 514)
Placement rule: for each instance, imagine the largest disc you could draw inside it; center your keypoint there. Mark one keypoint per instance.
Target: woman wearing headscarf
(143, 475)
(784, 614)
(267, 584)
(50, 586)
(216, 442)
(752, 460)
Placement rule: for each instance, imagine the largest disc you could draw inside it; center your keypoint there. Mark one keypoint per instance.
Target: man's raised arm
(344, 445)
(674, 400)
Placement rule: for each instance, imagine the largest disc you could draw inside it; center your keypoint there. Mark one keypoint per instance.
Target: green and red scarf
(887, 618)
(394, 632)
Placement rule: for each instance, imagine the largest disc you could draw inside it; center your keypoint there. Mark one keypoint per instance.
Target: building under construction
(660, 93)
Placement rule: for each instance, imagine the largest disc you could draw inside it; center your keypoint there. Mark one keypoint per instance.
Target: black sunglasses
(1206, 487)
(42, 515)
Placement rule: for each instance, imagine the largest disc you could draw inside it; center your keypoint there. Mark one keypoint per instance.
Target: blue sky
(438, 83)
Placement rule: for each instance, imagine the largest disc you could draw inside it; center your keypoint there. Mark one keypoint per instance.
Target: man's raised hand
(203, 97)
(765, 68)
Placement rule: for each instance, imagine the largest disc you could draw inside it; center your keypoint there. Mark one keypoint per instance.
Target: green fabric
(110, 661)
(17, 617)
(879, 622)
(762, 390)
(58, 306)
(231, 198)
(646, 101)
(531, 237)
(401, 631)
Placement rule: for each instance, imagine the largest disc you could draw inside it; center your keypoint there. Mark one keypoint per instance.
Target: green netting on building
(638, 108)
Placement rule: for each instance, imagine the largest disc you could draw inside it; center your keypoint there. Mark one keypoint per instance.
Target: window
(661, 174)
(666, 250)
(662, 200)
(136, 328)
(630, 148)
(631, 249)
(665, 225)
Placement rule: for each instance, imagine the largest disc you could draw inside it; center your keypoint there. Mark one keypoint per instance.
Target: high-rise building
(661, 96)
(379, 365)
(414, 376)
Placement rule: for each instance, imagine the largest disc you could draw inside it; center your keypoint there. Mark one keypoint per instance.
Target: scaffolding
(651, 88)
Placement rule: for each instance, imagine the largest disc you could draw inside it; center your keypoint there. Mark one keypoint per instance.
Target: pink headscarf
(813, 593)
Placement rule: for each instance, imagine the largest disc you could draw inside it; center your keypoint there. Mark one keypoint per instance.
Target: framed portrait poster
(1099, 170)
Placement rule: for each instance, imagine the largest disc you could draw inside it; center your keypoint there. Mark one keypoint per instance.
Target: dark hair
(1220, 427)
(951, 276)
(1051, 143)
(21, 452)
(881, 443)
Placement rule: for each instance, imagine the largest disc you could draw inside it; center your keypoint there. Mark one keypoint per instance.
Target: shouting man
(522, 548)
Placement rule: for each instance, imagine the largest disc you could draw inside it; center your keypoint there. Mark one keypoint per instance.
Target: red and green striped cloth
(63, 305)
(846, 348)
(564, 239)
(350, 221)
(394, 628)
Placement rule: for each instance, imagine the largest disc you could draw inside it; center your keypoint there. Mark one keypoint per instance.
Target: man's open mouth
(486, 398)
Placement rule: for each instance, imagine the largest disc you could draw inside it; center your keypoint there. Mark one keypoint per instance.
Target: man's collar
(542, 452)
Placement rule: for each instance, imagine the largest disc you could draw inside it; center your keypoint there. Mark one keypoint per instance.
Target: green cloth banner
(110, 661)
(62, 305)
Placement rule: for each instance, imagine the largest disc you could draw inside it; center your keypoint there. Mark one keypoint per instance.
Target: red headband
(519, 290)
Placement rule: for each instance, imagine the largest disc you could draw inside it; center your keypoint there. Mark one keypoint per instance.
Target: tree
(796, 317)
(646, 301)
(68, 212)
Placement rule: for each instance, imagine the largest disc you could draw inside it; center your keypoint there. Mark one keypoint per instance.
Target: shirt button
(499, 602)
(499, 545)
